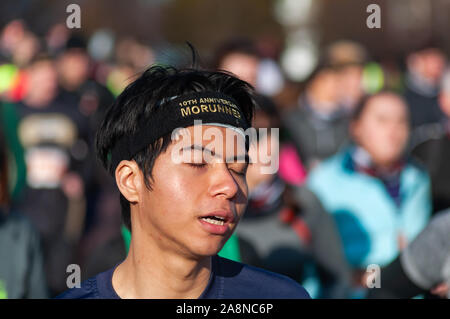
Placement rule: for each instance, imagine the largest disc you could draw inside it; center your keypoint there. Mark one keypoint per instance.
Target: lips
(217, 222)
(225, 215)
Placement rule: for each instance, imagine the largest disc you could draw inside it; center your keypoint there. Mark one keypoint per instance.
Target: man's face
(42, 80)
(324, 90)
(74, 67)
(174, 214)
(429, 63)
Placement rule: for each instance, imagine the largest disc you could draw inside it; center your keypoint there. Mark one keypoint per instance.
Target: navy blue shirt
(228, 280)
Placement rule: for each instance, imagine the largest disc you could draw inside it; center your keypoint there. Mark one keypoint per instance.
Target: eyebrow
(245, 157)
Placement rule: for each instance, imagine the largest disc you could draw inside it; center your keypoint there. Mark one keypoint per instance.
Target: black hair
(140, 100)
(76, 41)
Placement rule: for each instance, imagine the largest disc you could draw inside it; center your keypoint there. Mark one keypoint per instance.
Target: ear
(129, 180)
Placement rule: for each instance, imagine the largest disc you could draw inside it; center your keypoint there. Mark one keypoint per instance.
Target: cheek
(388, 142)
(180, 192)
(170, 197)
(375, 139)
(242, 199)
(369, 134)
(402, 135)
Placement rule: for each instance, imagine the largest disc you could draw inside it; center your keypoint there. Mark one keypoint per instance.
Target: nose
(222, 183)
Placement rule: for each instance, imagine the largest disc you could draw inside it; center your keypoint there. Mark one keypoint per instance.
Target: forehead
(221, 140)
(388, 104)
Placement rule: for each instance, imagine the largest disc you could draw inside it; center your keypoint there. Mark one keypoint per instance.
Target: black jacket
(21, 271)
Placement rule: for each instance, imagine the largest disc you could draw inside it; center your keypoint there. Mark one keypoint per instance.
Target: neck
(152, 273)
(421, 85)
(322, 107)
(71, 86)
(363, 158)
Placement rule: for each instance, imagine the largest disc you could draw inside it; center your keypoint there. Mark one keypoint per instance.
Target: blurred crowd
(363, 157)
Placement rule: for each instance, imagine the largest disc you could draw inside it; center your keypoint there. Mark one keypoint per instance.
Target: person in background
(425, 67)
(434, 151)
(318, 126)
(18, 47)
(21, 264)
(379, 198)
(50, 131)
(349, 58)
(422, 267)
(26, 50)
(74, 66)
(11, 36)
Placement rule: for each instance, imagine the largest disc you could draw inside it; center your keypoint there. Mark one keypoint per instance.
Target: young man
(181, 213)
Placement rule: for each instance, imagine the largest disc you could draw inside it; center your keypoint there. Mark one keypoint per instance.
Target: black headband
(177, 112)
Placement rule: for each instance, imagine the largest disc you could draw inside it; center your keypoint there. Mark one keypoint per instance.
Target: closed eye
(197, 165)
(242, 171)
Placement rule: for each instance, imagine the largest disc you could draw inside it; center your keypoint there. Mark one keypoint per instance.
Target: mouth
(217, 223)
(214, 220)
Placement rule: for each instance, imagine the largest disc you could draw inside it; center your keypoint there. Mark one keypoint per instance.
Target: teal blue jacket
(367, 218)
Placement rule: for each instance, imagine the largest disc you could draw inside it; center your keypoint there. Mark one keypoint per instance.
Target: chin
(392, 158)
(209, 248)
(387, 157)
